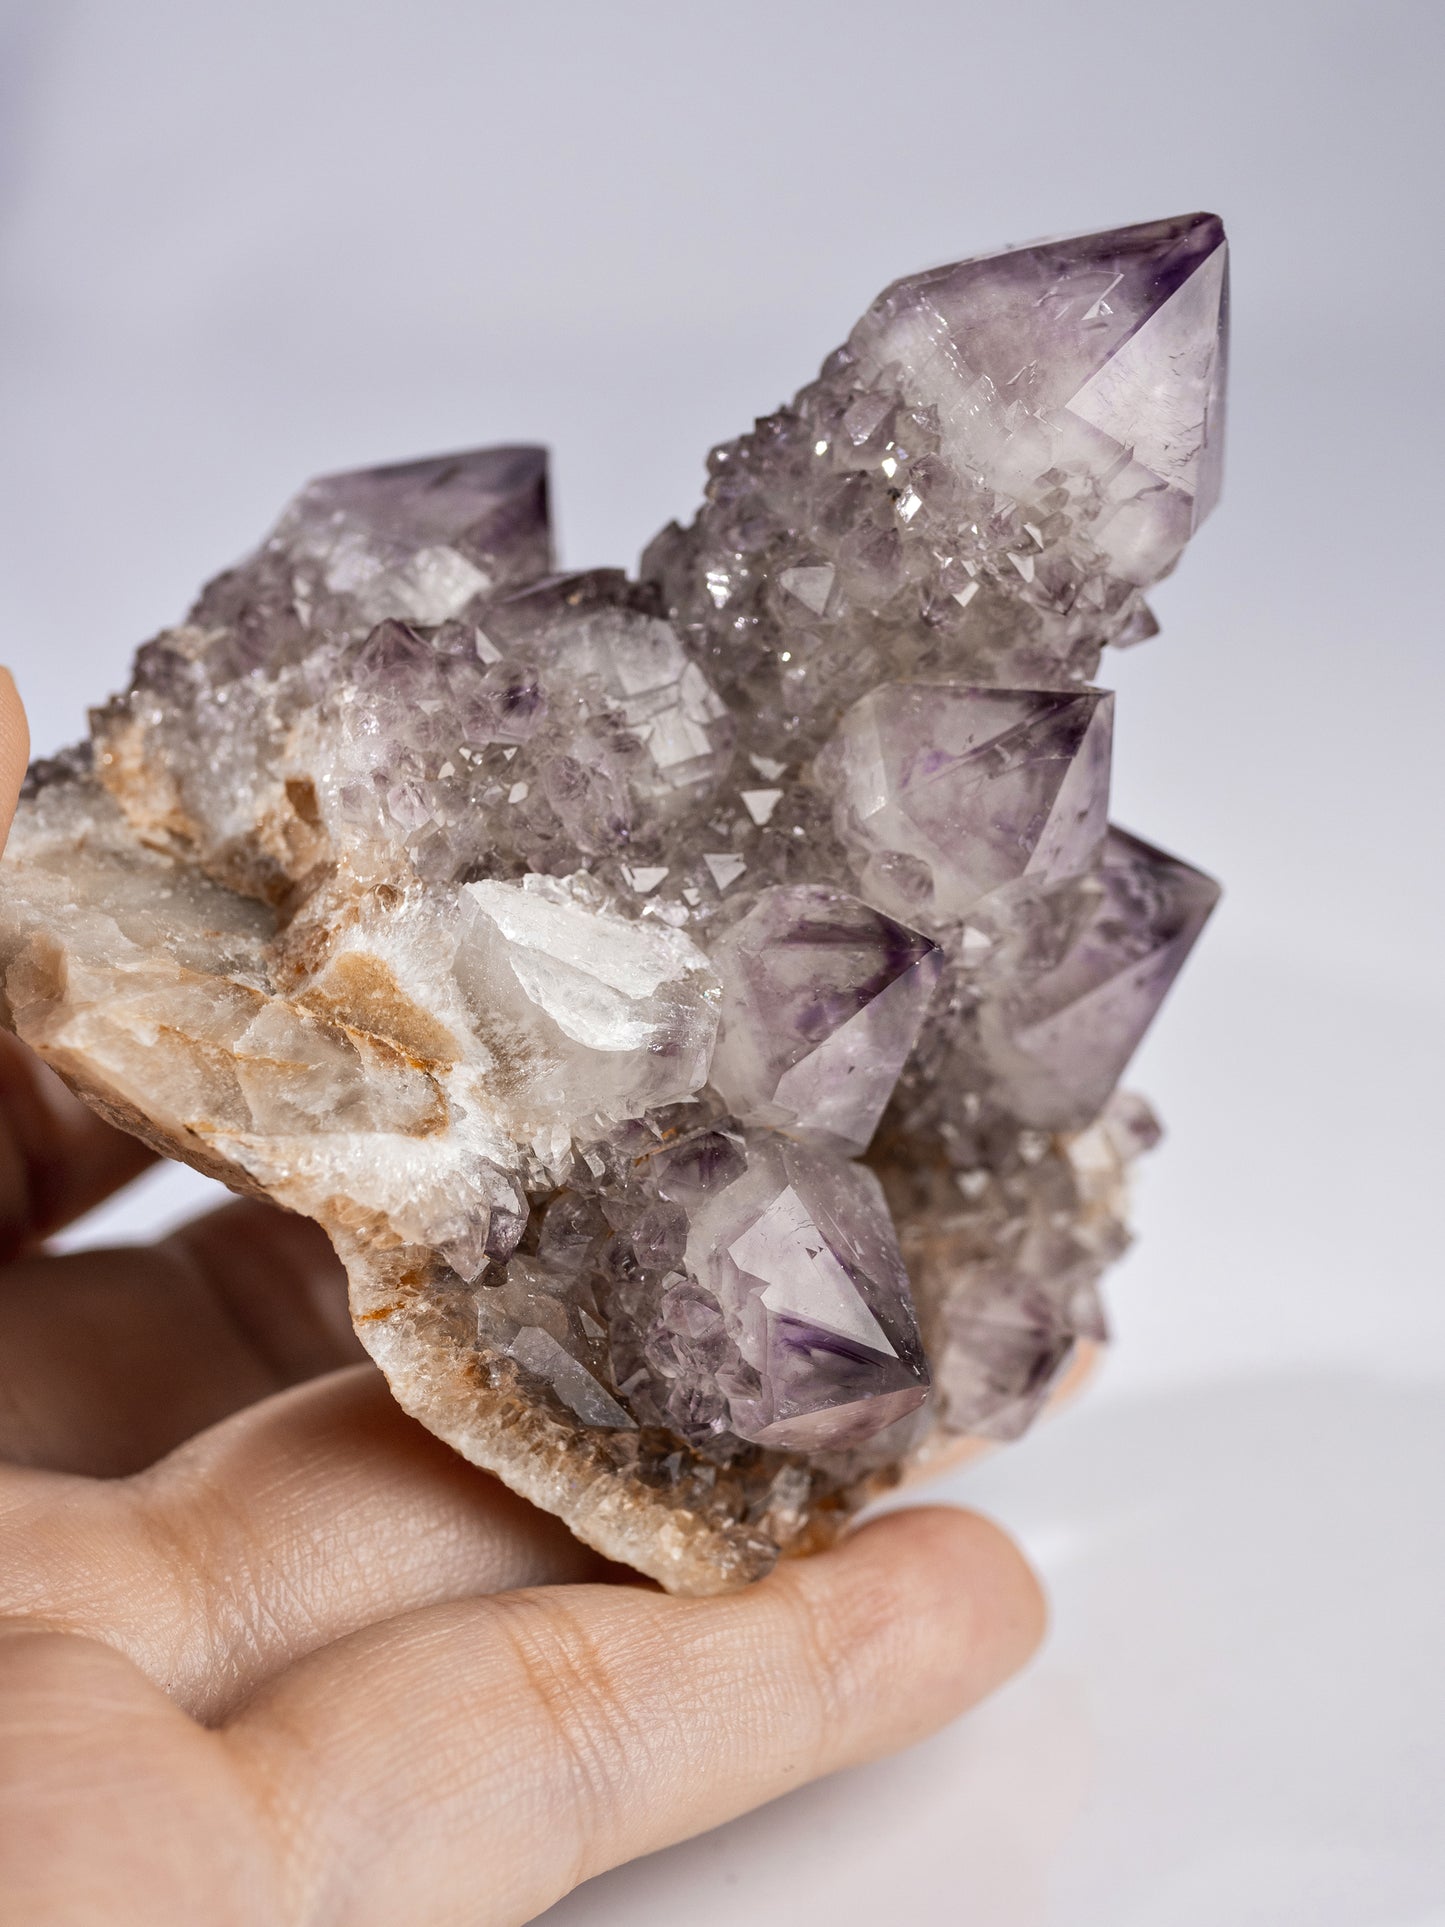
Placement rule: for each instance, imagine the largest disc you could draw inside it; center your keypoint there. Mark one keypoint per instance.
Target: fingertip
(982, 1566)
(947, 1601)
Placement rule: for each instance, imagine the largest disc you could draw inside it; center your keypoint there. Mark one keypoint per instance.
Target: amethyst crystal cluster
(693, 1004)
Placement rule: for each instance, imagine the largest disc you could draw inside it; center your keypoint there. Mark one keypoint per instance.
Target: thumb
(14, 749)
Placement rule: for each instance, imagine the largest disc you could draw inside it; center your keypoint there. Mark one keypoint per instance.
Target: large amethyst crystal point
(945, 794)
(1095, 364)
(823, 998)
(982, 481)
(417, 541)
(800, 1254)
(1077, 981)
(694, 1005)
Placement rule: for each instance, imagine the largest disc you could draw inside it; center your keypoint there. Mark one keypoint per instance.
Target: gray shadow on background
(1230, 1726)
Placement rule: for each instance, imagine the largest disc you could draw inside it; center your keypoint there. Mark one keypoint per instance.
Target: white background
(241, 245)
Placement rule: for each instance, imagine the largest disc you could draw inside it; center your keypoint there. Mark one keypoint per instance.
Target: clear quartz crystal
(695, 1004)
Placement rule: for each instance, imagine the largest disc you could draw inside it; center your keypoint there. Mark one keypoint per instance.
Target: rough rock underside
(694, 1005)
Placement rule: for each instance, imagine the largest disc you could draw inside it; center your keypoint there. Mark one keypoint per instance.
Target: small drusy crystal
(694, 1005)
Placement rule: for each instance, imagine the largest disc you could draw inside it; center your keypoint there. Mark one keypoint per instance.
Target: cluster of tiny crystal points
(766, 960)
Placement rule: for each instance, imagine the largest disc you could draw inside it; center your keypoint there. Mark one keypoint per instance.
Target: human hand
(272, 1654)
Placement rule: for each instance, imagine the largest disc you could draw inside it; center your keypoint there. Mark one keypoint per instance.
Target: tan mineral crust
(694, 1004)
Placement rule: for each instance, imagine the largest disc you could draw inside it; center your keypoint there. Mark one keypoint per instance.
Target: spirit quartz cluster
(694, 1004)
